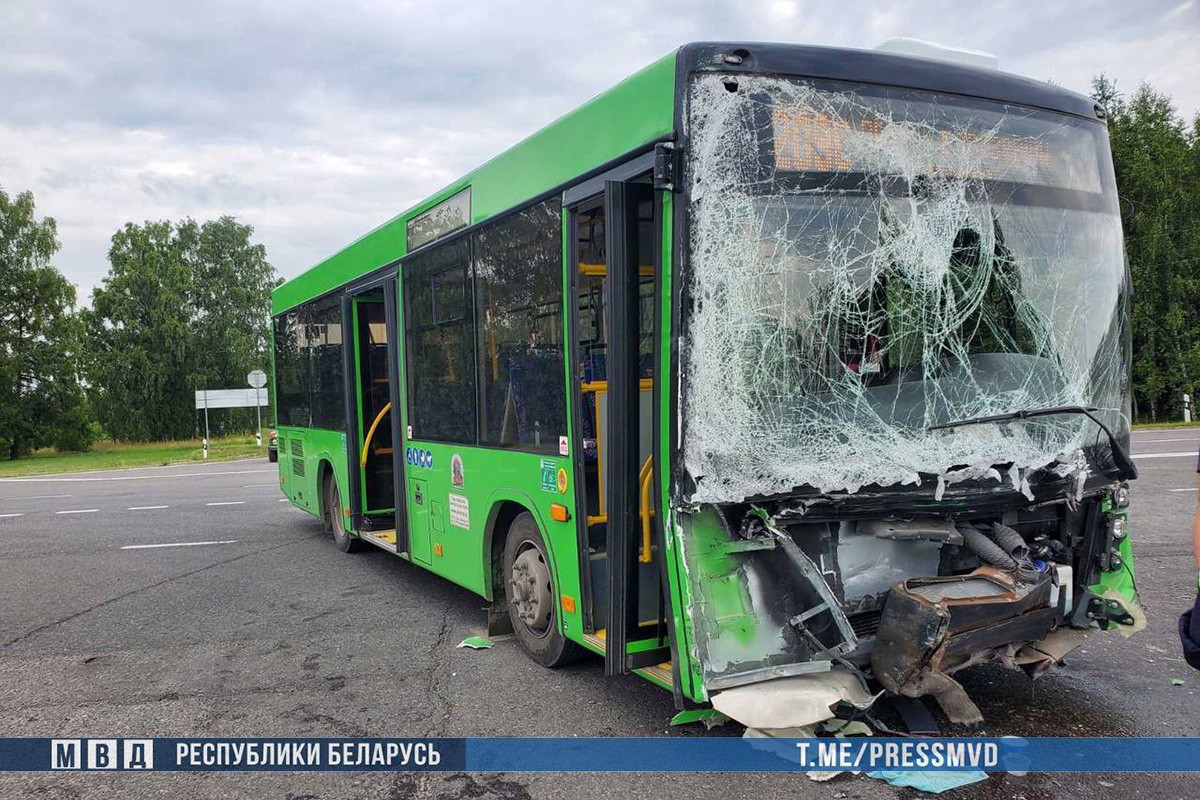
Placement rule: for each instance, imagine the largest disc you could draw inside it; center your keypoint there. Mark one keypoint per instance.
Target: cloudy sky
(316, 121)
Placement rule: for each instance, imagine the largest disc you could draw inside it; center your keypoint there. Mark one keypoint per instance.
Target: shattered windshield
(868, 263)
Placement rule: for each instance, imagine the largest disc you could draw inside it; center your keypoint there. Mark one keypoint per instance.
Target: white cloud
(316, 121)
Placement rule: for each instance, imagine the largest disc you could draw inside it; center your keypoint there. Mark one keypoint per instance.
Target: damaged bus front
(903, 368)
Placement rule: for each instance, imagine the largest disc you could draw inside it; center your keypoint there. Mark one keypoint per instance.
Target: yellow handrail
(645, 475)
(600, 270)
(644, 385)
(371, 432)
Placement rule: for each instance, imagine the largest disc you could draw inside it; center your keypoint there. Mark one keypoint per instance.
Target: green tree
(184, 306)
(232, 282)
(1156, 157)
(41, 402)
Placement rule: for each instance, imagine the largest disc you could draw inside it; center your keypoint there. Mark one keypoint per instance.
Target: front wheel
(336, 520)
(530, 595)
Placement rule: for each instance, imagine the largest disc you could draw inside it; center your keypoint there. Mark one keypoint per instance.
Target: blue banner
(679, 754)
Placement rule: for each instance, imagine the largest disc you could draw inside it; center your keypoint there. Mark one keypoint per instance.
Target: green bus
(777, 375)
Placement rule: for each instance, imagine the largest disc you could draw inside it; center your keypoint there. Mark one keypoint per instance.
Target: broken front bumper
(932, 627)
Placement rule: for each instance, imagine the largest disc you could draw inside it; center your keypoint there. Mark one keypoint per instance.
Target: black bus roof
(884, 69)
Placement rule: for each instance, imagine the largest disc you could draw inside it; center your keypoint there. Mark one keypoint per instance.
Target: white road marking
(78, 511)
(35, 497)
(228, 503)
(6, 516)
(140, 469)
(283, 499)
(145, 508)
(1148, 441)
(52, 479)
(259, 485)
(1189, 453)
(175, 544)
(1182, 490)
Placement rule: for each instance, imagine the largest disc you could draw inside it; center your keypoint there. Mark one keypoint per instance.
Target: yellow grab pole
(371, 432)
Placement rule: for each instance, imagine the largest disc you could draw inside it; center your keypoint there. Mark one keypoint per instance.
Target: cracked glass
(866, 263)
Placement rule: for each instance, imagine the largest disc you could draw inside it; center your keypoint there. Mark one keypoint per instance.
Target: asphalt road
(269, 630)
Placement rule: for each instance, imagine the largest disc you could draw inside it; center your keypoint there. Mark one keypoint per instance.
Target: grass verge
(116, 455)
(1164, 426)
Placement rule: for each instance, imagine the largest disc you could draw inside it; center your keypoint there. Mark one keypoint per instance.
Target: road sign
(230, 398)
(258, 379)
(254, 398)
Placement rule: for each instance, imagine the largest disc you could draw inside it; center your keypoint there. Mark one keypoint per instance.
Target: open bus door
(615, 250)
(373, 414)
(632, 641)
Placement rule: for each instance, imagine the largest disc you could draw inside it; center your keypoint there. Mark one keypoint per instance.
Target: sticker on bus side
(549, 479)
(460, 511)
(417, 457)
(456, 471)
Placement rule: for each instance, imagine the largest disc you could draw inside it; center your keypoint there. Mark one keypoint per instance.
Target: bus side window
(441, 344)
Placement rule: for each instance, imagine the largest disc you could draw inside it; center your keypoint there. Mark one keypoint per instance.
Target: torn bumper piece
(931, 627)
(792, 702)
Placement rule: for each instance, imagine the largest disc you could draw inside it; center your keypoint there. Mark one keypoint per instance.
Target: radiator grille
(865, 623)
(298, 457)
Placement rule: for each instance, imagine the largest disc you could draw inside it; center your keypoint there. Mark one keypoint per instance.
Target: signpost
(234, 398)
(257, 379)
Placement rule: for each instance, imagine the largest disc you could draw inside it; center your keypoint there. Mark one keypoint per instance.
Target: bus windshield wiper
(1120, 456)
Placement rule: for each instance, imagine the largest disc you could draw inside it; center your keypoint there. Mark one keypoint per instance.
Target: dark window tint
(291, 371)
(440, 354)
(323, 328)
(518, 273)
(309, 370)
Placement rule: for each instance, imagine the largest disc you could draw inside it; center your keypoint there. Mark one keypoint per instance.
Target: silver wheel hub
(529, 590)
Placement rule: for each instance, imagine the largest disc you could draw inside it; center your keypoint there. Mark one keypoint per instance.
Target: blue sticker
(416, 457)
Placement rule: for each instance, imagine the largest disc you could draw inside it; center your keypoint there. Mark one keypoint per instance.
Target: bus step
(383, 539)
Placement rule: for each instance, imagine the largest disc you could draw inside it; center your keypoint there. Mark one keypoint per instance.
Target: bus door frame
(390, 284)
(620, 194)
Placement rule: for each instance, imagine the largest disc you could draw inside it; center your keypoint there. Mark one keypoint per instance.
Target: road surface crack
(33, 631)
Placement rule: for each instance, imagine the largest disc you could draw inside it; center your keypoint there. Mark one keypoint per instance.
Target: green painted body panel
(688, 668)
(491, 478)
(570, 580)
(638, 110)
(328, 447)
(1122, 580)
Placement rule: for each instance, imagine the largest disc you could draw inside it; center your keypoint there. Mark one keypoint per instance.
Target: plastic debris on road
(934, 782)
(476, 642)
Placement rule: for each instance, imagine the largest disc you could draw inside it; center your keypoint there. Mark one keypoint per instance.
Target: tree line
(186, 305)
(1156, 155)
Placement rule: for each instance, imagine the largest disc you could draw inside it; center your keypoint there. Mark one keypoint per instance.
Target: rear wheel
(530, 595)
(335, 519)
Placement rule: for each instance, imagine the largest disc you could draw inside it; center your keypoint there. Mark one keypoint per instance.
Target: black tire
(335, 521)
(529, 592)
